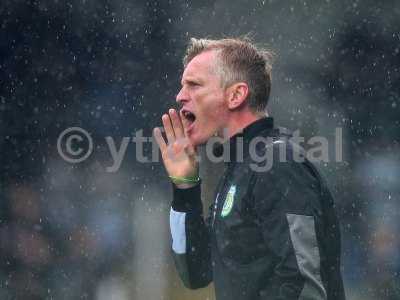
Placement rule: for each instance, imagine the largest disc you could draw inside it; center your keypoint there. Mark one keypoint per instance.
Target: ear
(237, 94)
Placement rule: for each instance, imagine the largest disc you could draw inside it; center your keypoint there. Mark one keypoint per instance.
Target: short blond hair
(239, 60)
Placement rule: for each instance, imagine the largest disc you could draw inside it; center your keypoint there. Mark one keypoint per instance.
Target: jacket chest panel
(231, 195)
(238, 238)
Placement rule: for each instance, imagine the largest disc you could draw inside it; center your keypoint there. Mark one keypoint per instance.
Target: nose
(182, 96)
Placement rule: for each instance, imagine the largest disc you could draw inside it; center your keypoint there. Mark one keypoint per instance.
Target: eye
(193, 83)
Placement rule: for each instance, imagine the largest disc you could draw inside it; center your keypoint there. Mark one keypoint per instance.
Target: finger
(176, 124)
(159, 139)
(169, 131)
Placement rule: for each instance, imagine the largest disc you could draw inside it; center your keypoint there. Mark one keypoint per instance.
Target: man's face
(204, 109)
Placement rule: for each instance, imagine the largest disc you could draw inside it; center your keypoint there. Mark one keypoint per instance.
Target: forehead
(201, 64)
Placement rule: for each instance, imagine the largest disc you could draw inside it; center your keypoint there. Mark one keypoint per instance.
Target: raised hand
(178, 154)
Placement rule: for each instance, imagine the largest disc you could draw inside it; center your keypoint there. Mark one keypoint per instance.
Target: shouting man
(272, 233)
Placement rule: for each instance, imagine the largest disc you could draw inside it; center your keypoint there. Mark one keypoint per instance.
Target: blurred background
(112, 67)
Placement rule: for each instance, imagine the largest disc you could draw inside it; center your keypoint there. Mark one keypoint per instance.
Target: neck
(240, 120)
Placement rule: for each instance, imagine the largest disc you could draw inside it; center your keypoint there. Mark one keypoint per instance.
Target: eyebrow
(190, 79)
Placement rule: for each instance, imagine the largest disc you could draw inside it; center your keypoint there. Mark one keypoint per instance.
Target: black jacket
(272, 232)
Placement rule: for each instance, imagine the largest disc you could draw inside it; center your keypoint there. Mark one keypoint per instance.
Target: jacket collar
(238, 145)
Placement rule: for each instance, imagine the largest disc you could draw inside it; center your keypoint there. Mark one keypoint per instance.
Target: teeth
(187, 113)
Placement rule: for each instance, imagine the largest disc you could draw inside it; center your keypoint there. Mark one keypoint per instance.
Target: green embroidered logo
(228, 204)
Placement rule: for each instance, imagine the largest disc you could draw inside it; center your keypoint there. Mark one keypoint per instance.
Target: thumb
(191, 151)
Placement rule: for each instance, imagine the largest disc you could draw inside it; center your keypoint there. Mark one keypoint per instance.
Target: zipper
(215, 210)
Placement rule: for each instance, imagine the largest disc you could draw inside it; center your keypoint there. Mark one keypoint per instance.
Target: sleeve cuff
(186, 200)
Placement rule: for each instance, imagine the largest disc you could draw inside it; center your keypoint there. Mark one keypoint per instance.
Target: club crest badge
(228, 204)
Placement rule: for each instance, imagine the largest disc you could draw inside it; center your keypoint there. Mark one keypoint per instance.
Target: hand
(178, 154)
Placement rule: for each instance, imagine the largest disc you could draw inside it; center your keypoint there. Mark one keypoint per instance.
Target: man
(271, 234)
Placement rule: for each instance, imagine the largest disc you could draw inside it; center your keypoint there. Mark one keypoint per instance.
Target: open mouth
(189, 116)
